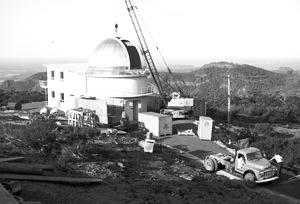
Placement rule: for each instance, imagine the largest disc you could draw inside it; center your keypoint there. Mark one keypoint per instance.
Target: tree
(18, 105)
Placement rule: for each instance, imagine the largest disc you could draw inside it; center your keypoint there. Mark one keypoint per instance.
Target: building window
(61, 75)
(62, 97)
(52, 75)
(53, 94)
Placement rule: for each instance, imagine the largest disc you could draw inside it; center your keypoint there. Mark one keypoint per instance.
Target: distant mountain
(226, 65)
(285, 70)
(30, 83)
(182, 68)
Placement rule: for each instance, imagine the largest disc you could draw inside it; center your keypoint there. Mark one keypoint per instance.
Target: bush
(263, 128)
(32, 136)
(18, 106)
(68, 156)
(288, 149)
(75, 134)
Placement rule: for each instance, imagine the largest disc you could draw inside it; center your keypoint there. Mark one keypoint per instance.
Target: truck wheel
(249, 179)
(216, 165)
(209, 165)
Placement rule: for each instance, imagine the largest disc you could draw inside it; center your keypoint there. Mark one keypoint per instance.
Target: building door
(135, 109)
(128, 108)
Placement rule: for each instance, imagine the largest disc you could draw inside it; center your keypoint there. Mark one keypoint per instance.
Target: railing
(141, 91)
(148, 89)
(43, 84)
(122, 70)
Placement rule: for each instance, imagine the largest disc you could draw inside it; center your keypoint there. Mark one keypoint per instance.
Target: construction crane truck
(177, 107)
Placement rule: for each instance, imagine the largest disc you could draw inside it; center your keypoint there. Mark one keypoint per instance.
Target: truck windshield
(254, 155)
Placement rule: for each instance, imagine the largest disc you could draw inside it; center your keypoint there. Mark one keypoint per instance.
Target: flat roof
(71, 67)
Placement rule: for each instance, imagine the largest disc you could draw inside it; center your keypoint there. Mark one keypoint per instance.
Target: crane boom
(149, 60)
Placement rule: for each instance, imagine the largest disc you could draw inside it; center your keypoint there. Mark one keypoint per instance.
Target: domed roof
(115, 54)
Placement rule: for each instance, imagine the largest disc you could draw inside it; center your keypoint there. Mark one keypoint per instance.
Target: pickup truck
(254, 168)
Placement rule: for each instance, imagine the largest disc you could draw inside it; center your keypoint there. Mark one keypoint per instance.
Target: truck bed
(224, 159)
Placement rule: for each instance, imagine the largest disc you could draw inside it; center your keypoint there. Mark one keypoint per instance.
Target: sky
(194, 32)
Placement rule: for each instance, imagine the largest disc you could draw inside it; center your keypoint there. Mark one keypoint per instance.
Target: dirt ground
(129, 175)
(161, 177)
(142, 191)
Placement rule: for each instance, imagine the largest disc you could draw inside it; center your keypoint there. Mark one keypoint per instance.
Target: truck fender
(249, 171)
(207, 157)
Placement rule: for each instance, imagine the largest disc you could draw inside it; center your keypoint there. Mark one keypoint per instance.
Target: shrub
(68, 155)
(263, 128)
(32, 136)
(288, 149)
(18, 105)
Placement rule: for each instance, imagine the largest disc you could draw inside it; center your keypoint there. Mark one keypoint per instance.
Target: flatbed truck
(255, 168)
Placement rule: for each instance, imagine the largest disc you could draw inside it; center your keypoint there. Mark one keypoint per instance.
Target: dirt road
(193, 145)
(286, 187)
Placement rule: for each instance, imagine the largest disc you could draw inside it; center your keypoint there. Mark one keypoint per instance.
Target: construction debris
(20, 168)
(66, 180)
(81, 117)
(10, 159)
(13, 187)
(9, 193)
(6, 197)
(147, 145)
(186, 132)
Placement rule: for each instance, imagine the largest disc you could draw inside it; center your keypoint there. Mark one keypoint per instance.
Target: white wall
(116, 86)
(72, 85)
(75, 84)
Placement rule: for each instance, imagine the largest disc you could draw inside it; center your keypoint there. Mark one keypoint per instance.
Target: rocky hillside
(30, 83)
(245, 79)
(285, 70)
(210, 81)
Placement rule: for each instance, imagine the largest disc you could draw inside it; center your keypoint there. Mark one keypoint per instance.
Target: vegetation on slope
(210, 80)
(255, 92)
(29, 84)
(20, 97)
(129, 175)
(25, 91)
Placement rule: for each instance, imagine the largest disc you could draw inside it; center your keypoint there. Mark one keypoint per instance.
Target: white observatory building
(114, 80)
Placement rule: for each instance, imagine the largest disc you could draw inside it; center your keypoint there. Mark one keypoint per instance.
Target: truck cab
(251, 163)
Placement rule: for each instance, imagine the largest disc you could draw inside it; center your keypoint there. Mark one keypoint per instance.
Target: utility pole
(228, 93)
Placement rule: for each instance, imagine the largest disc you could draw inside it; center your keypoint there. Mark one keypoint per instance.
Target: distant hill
(30, 83)
(285, 70)
(210, 81)
(182, 68)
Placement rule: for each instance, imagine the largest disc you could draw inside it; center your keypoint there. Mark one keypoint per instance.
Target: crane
(145, 49)
(175, 101)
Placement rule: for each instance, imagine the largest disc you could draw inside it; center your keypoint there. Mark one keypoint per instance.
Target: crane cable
(177, 89)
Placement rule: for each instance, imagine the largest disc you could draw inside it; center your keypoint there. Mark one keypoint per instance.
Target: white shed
(158, 124)
(205, 128)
